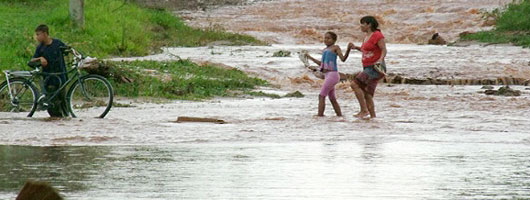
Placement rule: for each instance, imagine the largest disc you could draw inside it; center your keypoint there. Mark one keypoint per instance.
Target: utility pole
(77, 12)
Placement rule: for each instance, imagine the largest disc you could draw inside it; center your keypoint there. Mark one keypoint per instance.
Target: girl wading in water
(328, 65)
(373, 51)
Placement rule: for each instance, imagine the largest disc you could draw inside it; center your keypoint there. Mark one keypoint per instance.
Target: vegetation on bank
(122, 28)
(112, 28)
(180, 79)
(512, 26)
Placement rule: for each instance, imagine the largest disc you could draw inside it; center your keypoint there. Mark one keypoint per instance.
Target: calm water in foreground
(374, 167)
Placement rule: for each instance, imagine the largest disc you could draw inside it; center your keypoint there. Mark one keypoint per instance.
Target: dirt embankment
(187, 4)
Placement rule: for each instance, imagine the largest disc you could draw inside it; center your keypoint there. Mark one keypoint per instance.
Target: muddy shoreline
(191, 5)
(398, 79)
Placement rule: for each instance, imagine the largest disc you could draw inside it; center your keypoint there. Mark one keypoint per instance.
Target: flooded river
(303, 21)
(428, 141)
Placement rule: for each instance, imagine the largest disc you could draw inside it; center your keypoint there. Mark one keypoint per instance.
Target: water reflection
(373, 167)
(371, 151)
(56, 165)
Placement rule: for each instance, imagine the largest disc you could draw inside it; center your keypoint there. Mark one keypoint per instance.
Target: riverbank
(189, 4)
(117, 28)
(112, 28)
(511, 25)
(178, 79)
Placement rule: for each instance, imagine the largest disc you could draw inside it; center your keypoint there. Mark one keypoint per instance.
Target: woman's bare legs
(370, 104)
(359, 93)
(336, 107)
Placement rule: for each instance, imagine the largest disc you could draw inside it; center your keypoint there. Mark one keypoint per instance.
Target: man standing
(50, 55)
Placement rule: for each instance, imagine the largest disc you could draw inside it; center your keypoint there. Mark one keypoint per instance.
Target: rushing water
(304, 21)
(428, 141)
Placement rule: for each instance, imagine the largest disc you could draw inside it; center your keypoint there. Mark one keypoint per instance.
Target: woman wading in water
(373, 51)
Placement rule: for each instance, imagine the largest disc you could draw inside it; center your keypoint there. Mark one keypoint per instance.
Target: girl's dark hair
(42, 28)
(333, 35)
(370, 20)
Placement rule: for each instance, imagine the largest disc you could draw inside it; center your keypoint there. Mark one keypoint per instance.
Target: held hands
(43, 61)
(352, 46)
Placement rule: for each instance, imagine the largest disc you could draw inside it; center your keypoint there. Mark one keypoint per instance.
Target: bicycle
(88, 94)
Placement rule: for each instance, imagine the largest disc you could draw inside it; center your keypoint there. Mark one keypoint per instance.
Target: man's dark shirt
(53, 54)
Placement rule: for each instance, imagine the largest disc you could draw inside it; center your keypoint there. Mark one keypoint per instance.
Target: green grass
(115, 28)
(512, 26)
(112, 28)
(181, 79)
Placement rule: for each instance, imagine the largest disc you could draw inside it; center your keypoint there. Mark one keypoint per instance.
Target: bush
(512, 26)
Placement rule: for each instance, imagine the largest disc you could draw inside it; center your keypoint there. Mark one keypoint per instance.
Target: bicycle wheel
(90, 96)
(24, 96)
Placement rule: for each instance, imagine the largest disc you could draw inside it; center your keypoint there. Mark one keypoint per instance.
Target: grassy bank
(120, 28)
(512, 26)
(181, 79)
(112, 27)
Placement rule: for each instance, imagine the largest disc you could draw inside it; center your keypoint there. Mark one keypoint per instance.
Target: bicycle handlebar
(69, 49)
(34, 64)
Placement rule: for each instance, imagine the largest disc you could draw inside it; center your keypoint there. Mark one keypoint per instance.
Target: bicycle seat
(34, 64)
(65, 50)
(65, 47)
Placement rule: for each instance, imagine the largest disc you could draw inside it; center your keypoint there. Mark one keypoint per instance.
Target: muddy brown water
(428, 141)
(304, 22)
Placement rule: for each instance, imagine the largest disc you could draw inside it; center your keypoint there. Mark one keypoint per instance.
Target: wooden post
(77, 12)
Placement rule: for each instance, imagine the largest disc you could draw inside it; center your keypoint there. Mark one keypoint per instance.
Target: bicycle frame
(9, 86)
(78, 61)
(10, 89)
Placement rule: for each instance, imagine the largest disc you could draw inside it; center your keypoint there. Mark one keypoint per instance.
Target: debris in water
(295, 94)
(503, 91)
(281, 53)
(300, 80)
(199, 119)
(275, 118)
(263, 94)
(437, 40)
